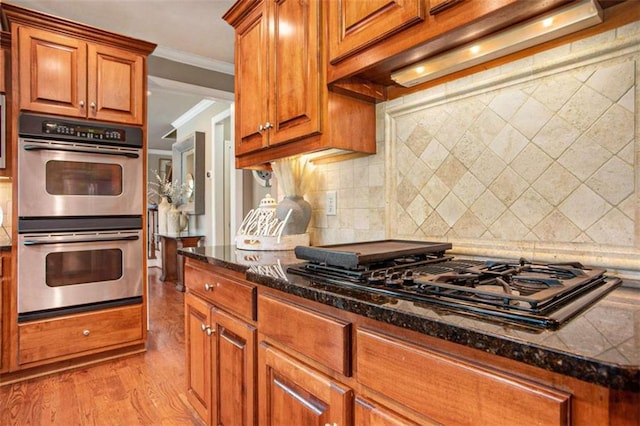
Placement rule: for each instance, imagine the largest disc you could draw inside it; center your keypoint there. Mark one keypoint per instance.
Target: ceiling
(187, 31)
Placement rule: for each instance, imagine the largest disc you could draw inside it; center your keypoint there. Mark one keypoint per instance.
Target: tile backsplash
(536, 158)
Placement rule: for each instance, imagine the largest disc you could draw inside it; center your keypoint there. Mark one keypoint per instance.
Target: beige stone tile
(584, 108)
(613, 229)
(556, 227)
(468, 149)
(434, 191)
(531, 208)
(487, 126)
(434, 154)
(555, 184)
(435, 226)
(507, 102)
(468, 189)
(488, 208)
(418, 140)
(487, 167)
(584, 207)
(469, 226)
(556, 136)
(406, 193)
(553, 92)
(531, 117)
(628, 100)
(614, 129)
(584, 157)
(508, 227)
(419, 210)
(613, 81)
(508, 186)
(508, 143)
(531, 162)
(405, 224)
(613, 181)
(451, 209)
(450, 171)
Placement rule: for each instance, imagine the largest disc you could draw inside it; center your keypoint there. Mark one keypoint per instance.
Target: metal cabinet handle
(205, 328)
(208, 287)
(86, 332)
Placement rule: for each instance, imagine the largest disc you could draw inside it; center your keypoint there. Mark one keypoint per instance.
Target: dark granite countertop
(601, 345)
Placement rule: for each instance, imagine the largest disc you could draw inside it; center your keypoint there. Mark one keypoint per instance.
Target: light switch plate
(332, 203)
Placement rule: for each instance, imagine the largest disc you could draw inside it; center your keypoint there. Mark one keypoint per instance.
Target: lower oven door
(65, 272)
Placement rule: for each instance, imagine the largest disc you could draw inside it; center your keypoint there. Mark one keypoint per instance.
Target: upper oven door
(58, 178)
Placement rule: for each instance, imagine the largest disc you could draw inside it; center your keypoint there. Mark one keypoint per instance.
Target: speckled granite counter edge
(597, 372)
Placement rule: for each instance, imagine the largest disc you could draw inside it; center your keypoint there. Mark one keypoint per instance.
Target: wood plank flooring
(144, 389)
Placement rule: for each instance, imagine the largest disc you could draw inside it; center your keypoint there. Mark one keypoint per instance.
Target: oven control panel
(42, 126)
(83, 131)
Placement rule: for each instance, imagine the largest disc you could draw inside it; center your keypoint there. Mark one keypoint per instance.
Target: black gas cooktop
(539, 295)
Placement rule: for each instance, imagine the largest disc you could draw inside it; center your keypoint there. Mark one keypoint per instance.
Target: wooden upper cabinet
(115, 84)
(283, 105)
(277, 74)
(356, 24)
(251, 82)
(52, 72)
(68, 76)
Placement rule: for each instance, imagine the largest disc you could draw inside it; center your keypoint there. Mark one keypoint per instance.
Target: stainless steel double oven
(80, 204)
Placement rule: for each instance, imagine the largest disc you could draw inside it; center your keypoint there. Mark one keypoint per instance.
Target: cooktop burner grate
(524, 293)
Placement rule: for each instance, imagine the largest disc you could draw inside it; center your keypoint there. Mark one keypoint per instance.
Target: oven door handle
(83, 151)
(79, 240)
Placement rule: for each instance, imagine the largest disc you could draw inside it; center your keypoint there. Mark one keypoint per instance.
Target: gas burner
(539, 295)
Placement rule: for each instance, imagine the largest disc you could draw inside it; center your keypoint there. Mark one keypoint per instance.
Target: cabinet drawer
(320, 337)
(451, 390)
(230, 294)
(72, 335)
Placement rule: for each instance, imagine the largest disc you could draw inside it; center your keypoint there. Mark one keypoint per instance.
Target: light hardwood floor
(145, 389)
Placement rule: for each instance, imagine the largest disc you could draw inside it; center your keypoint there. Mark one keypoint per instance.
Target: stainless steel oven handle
(79, 240)
(47, 148)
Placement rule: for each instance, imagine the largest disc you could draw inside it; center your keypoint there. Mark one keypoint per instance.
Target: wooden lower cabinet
(292, 393)
(56, 339)
(306, 363)
(221, 370)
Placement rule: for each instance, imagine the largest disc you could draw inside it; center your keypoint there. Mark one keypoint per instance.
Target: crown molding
(194, 60)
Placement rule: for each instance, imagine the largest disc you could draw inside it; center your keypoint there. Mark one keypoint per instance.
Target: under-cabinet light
(547, 27)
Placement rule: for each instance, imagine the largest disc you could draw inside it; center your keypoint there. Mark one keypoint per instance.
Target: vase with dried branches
(294, 176)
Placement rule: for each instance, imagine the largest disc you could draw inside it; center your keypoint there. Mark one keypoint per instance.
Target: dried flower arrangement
(172, 190)
(294, 175)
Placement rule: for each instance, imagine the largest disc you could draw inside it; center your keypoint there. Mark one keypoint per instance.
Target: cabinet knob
(85, 332)
(260, 128)
(92, 105)
(81, 104)
(210, 331)
(268, 125)
(208, 287)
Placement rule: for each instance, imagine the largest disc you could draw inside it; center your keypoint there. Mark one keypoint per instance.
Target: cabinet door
(52, 73)
(197, 320)
(292, 393)
(355, 24)
(369, 413)
(251, 81)
(115, 80)
(296, 61)
(234, 371)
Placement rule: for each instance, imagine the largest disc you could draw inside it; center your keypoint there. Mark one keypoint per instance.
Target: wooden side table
(172, 262)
